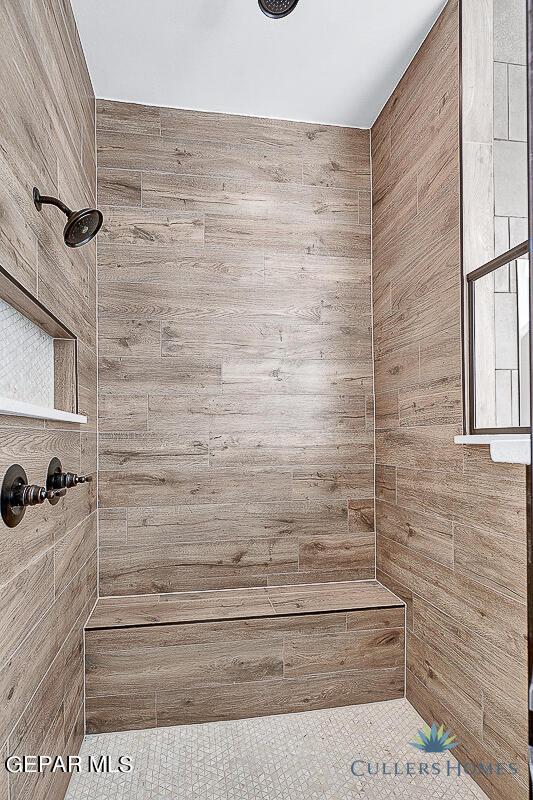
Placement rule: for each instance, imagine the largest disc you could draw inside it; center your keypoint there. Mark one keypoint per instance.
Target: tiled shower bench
(172, 659)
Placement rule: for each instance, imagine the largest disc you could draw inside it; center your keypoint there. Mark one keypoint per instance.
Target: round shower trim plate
(277, 9)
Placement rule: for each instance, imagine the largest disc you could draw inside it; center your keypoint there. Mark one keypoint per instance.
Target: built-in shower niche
(38, 359)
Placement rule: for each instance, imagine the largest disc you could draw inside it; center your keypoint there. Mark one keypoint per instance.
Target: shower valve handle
(73, 480)
(66, 480)
(59, 482)
(24, 495)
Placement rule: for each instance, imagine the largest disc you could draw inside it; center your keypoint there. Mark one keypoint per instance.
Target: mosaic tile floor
(294, 757)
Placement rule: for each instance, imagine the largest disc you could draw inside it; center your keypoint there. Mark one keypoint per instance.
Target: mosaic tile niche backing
(26, 359)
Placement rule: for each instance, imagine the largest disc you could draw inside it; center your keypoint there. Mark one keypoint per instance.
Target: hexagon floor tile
(292, 757)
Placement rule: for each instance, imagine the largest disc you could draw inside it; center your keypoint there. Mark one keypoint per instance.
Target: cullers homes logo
(435, 739)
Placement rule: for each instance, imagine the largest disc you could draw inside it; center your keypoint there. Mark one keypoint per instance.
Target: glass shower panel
(499, 301)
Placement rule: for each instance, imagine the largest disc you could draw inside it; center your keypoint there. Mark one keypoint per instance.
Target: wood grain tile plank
(166, 525)
(194, 156)
(286, 447)
(144, 569)
(374, 619)
(498, 617)
(346, 596)
(146, 263)
(4, 775)
(417, 409)
(265, 339)
(25, 599)
(353, 650)
(386, 483)
(310, 237)
(159, 376)
(121, 337)
(121, 713)
(128, 118)
(311, 270)
(464, 499)
(118, 187)
(122, 412)
(325, 482)
(387, 412)
(274, 697)
(350, 551)
(431, 707)
(234, 412)
(130, 226)
(307, 578)
(72, 551)
(125, 449)
(182, 666)
(142, 486)
(421, 447)
(284, 376)
(265, 329)
(361, 516)
(113, 526)
(447, 681)
(230, 197)
(471, 651)
(491, 558)
(425, 533)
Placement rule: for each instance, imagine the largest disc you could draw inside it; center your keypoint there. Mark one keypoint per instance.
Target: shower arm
(41, 200)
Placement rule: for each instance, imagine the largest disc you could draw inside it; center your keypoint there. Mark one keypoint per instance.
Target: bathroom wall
(47, 563)
(236, 422)
(451, 525)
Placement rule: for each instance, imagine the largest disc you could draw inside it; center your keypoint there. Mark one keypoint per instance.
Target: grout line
(373, 352)
(97, 443)
(405, 651)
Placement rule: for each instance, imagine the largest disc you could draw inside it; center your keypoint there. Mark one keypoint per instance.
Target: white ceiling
(330, 61)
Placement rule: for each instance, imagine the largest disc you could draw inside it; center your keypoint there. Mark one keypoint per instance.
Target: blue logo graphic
(434, 740)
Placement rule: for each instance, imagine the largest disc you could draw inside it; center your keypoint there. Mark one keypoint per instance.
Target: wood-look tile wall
(162, 675)
(235, 381)
(47, 563)
(451, 525)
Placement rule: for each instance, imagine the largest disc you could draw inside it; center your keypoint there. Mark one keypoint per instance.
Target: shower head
(277, 9)
(81, 226)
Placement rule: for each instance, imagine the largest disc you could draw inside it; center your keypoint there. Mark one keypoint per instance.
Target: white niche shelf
(38, 359)
(505, 448)
(17, 408)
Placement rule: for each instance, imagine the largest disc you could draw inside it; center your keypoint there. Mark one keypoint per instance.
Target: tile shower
(272, 372)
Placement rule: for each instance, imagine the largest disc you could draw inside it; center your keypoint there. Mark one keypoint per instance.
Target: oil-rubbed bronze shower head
(277, 9)
(81, 226)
